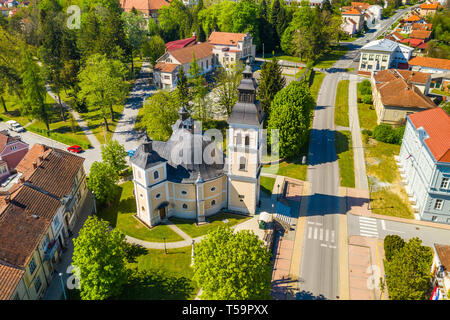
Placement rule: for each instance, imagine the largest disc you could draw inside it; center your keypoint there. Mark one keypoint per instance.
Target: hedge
(385, 133)
(60, 137)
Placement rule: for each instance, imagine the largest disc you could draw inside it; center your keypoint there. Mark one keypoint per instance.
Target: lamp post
(62, 285)
(278, 194)
(165, 249)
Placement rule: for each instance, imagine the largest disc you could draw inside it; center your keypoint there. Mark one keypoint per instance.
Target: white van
(14, 126)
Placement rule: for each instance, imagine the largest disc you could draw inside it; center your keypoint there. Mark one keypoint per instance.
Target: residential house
(12, 150)
(4, 11)
(312, 3)
(372, 13)
(429, 65)
(440, 81)
(353, 15)
(420, 34)
(349, 26)
(395, 36)
(150, 8)
(397, 93)
(441, 270)
(383, 54)
(37, 215)
(183, 43)
(406, 25)
(166, 68)
(428, 9)
(231, 47)
(424, 164)
(422, 26)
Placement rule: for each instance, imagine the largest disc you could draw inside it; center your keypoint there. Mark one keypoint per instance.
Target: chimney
(34, 165)
(7, 199)
(22, 179)
(41, 158)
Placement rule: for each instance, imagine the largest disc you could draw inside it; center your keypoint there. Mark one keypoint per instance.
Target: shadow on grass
(109, 213)
(133, 251)
(154, 285)
(342, 142)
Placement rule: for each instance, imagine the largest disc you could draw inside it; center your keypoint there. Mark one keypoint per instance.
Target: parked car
(14, 126)
(8, 180)
(75, 148)
(131, 153)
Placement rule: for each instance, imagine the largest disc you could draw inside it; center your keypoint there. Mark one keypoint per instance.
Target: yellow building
(189, 177)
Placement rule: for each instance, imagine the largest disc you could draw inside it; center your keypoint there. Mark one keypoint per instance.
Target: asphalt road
(380, 228)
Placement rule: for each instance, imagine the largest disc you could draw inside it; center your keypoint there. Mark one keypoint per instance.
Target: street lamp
(165, 249)
(62, 285)
(278, 195)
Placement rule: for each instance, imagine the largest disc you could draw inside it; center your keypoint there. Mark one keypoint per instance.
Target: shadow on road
(306, 295)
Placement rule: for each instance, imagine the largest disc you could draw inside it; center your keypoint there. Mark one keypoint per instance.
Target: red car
(76, 149)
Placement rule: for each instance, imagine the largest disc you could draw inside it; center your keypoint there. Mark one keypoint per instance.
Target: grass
(299, 74)
(367, 115)
(292, 169)
(281, 56)
(380, 163)
(344, 151)
(341, 105)
(120, 215)
(327, 60)
(267, 184)
(189, 226)
(441, 92)
(316, 84)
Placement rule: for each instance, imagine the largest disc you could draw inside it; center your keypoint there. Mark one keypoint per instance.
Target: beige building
(188, 176)
(398, 93)
(149, 8)
(231, 47)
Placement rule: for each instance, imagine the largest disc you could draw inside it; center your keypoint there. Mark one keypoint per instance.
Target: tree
(198, 90)
(134, 31)
(175, 20)
(271, 81)
(102, 84)
(392, 244)
(408, 273)
(232, 266)
(154, 48)
(34, 91)
(182, 88)
(102, 182)
(290, 114)
(99, 255)
(160, 112)
(113, 154)
(226, 89)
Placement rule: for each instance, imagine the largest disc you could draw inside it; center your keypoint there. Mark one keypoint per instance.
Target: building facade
(383, 54)
(12, 150)
(228, 48)
(424, 164)
(441, 271)
(429, 65)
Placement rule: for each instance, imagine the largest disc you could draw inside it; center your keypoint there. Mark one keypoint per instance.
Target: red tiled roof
(420, 34)
(429, 6)
(9, 279)
(165, 67)
(392, 74)
(143, 5)
(177, 44)
(422, 26)
(422, 45)
(430, 62)
(443, 252)
(413, 18)
(352, 12)
(415, 42)
(436, 123)
(226, 38)
(200, 50)
(361, 5)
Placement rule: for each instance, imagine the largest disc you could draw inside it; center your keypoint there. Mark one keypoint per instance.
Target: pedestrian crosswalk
(368, 227)
(321, 234)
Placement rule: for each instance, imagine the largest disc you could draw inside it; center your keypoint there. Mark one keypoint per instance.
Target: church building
(189, 177)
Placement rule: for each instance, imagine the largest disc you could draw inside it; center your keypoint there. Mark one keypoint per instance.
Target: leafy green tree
(278, 17)
(271, 81)
(232, 266)
(408, 273)
(175, 21)
(102, 84)
(135, 33)
(113, 154)
(198, 90)
(102, 182)
(392, 244)
(160, 112)
(99, 254)
(245, 19)
(446, 108)
(227, 82)
(153, 48)
(183, 88)
(290, 114)
(34, 91)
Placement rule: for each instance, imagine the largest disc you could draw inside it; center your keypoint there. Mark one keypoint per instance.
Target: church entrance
(162, 213)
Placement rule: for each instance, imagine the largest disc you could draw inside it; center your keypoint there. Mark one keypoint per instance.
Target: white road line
(310, 222)
(326, 235)
(367, 219)
(368, 228)
(368, 231)
(383, 225)
(369, 235)
(309, 232)
(321, 234)
(332, 236)
(315, 233)
(323, 245)
(332, 247)
(372, 223)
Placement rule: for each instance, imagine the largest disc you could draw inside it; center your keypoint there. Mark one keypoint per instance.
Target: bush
(385, 133)
(392, 243)
(367, 132)
(365, 88)
(367, 99)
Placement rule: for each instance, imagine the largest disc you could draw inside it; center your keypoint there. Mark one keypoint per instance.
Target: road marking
(383, 226)
(310, 222)
(332, 247)
(326, 235)
(332, 236)
(363, 228)
(309, 232)
(315, 233)
(369, 235)
(323, 245)
(321, 234)
(367, 223)
(369, 231)
(367, 219)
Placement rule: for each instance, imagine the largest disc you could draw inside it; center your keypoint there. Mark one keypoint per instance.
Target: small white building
(228, 48)
(383, 54)
(429, 65)
(424, 164)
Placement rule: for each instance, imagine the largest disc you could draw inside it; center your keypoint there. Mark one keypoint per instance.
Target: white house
(429, 65)
(424, 164)
(231, 47)
(383, 54)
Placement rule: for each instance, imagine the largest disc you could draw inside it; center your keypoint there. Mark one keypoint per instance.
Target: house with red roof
(353, 16)
(12, 151)
(429, 65)
(428, 9)
(183, 43)
(424, 164)
(150, 8)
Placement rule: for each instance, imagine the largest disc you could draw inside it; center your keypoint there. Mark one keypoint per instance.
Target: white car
(7, 181)
(14, 126)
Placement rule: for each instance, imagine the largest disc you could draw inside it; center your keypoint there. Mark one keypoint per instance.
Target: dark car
(76, 149)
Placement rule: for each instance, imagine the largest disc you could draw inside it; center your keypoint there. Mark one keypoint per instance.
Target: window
(166, 77)
(32, 266)
(382, 68)
(37, 284)
(213, 189)
(433, 218)
(363, 65)
(155, 175)
(384, 58)
(183, 192)
(445, 183)
(238, 139)
(370, 57)
(141, 195)
(242, 163)
(185, 206)
(143, 209)
(364, 56)
(247, 141)
(56, 223)
(3, 169)
(13, 148)
(45, 243)
(438, 204)
(369, 67)
(158, 196)
(377, 57)
(139, 174)
(213, 203)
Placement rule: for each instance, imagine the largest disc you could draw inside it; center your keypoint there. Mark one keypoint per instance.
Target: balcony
(49, 252)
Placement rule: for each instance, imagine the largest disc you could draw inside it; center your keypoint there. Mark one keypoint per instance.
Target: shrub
(365, 88)
(392, 243)
(367, 99)
(385, 133)
(367, 132)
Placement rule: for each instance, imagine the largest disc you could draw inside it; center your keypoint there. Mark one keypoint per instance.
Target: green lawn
(317, 82)
(441, 92)
(215, 221)
(367, 115)
(267, 184)
(120, 215)
(380, 163)
(327, 60)
(292, 169)
(341, 105)
(344, 151)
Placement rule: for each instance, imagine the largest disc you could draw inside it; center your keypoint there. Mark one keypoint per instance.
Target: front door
(162, 213)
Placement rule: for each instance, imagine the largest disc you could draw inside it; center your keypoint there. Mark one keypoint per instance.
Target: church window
(143, 209)
(183, 192)
(155, 175)
(242, 164)
(238, 139)
(247, 140)
(213, 203)
(158, 196)
(185, 206)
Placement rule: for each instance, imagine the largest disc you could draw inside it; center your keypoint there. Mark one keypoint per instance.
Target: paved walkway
(358, 150)
(125, 133)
